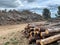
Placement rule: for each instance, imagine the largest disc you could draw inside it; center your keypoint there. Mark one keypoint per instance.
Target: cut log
(42, 29)
(56, 30)
(33, 33)
(29, 26)
(31, 39)
(45, 35)
(50, 39)
(30, 30)
(37, 42)
(36, 29)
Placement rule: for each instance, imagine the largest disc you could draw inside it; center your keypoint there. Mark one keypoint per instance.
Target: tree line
(47, 14)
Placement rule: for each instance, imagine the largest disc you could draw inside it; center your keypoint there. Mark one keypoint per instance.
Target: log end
(36, 29)
(47, 32)
(41, 42)
(37, 42)
(42, 34)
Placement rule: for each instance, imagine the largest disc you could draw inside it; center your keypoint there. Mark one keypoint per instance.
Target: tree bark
(45, 35)
(56, 30)
(50, 39)
(43, 29)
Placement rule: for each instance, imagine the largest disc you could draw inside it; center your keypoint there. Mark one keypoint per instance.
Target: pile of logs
(41, 35)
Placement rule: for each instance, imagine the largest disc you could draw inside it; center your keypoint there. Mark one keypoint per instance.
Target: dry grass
(12, 35)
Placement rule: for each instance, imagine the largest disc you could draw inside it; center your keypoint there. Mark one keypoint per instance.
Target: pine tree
(58, 12)
(46, 13)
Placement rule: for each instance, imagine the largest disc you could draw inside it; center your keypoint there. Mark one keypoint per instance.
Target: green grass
(14, 41)
(6, 43)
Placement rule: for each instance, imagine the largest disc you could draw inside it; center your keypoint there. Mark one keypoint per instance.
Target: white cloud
(19, 2)
(25, 4)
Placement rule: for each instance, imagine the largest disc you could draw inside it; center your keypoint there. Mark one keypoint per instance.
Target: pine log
(50, 39)
(31, 39)
(33, 33)
(30, 30)
(56, 30)
(45, 35)
(29, 26)
(43, 29)
(38, 42)
(36, 29)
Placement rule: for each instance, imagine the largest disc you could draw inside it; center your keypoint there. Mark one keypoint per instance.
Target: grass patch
(0, 37)
(6, 43)
(14, 41)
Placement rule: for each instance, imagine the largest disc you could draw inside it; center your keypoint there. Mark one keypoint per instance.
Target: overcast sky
(30, 4)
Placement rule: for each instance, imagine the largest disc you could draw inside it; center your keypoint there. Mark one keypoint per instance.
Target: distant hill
(16, 17)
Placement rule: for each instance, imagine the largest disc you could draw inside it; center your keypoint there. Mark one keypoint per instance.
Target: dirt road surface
(11, 28)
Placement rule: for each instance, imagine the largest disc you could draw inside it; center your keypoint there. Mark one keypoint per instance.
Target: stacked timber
(41, 35)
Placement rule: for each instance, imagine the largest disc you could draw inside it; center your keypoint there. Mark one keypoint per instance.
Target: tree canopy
(58, 12)
(46, 13)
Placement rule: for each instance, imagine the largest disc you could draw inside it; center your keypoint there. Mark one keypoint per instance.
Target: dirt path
(11, 28)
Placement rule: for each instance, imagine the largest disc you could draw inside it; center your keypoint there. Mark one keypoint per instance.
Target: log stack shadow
(41, 35)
